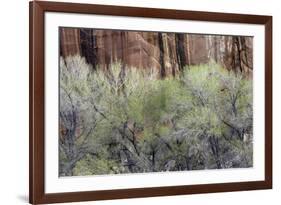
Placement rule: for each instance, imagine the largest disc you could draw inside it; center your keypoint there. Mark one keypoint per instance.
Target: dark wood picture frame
(37, 10)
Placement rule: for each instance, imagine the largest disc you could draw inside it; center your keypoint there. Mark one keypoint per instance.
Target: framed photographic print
(139, 102)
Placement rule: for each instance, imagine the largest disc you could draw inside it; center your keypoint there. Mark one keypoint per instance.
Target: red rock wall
(151, 50)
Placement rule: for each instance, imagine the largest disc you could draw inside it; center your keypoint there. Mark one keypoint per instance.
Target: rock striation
(166, 52)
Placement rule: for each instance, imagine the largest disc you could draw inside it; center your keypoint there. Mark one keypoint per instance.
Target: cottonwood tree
(127, 120)
(78, 118)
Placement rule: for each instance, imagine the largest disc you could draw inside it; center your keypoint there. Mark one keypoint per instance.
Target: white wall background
(14, 100)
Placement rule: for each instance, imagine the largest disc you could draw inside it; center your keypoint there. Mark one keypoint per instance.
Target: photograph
(133, 102)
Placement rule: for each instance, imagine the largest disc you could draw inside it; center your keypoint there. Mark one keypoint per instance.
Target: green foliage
(91, 165)
(136, 121)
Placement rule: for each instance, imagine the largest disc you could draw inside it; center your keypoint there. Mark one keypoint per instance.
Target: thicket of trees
(129, 120)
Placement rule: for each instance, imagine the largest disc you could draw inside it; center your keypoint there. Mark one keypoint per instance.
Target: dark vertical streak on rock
(216, 49)
(161, 58)
(180, 50)
(87, 45)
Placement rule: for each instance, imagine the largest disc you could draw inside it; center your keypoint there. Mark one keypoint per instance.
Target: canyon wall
(166, 52)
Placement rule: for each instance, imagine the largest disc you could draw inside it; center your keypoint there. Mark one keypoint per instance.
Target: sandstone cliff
(166, 52)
